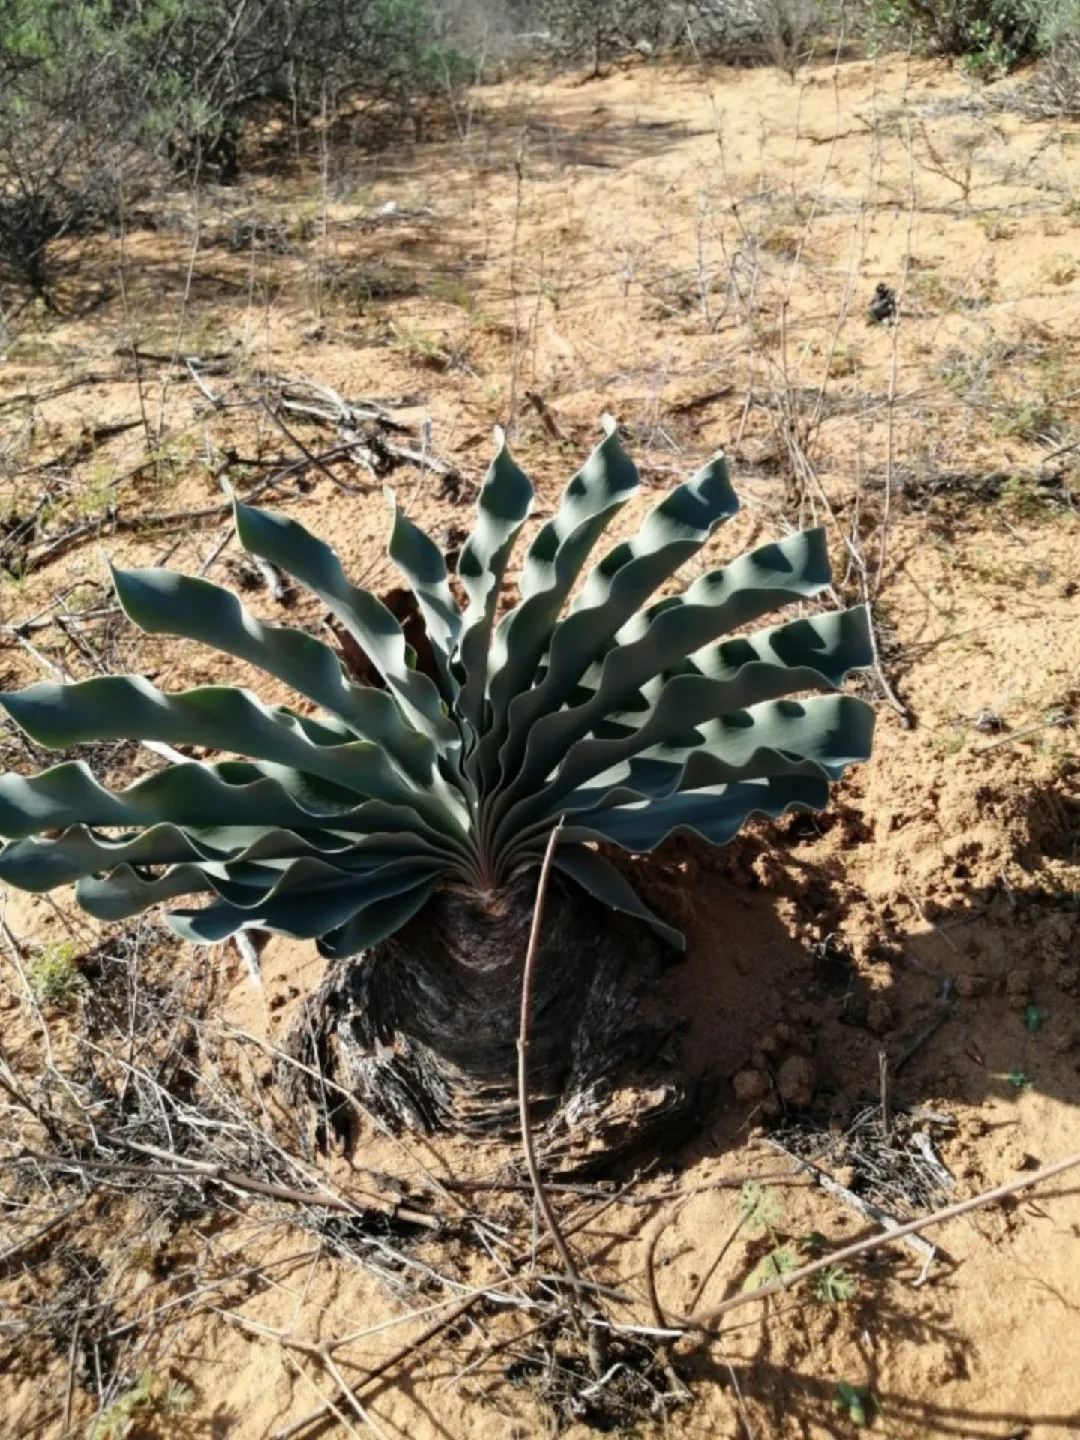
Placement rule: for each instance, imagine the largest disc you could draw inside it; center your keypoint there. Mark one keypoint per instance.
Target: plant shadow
(972, 1001)
(791, 971)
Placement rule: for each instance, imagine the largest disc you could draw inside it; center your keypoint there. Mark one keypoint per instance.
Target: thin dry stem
(527, 1141)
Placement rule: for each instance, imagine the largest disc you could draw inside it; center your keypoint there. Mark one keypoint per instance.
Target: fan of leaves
(631, 718)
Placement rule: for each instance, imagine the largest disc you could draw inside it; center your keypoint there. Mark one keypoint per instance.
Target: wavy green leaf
(606, 481)
(286, 544)
(672, 533)
(502, 508)
(738, 594)
(216, 717)
(713, 814)
(695, 715)
(828, 647)
(124, 892)
(39, 865)
(164, 603)
(421, 562)
(198, 796)
(603, 882)
(375, 922)
(817, 738)
(303, 913)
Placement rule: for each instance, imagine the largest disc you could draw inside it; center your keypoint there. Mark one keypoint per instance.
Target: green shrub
(54, 974)
(992, 36)
(100, 102)
(68, 150)
(599, 30)
(1054, 89)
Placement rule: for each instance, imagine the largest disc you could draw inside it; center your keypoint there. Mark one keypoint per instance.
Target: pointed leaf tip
(610, 424)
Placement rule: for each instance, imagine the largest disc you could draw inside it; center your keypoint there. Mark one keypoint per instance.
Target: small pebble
(969, 986)
(750, 1086)
(1018, 989)
(796, 1081)
(879, 1015)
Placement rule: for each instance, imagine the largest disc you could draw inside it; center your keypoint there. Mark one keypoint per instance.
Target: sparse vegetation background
(306, 250)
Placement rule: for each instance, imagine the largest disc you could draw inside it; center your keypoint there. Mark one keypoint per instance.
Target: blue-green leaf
(715, 814)
(601, 879)
(196, 795)
(826, 647)
(217, 717)
(502, 508)
(302, 911)
(39, 865)
(553, 562)
(814, 739)
(124, 892)
(163, 602)
(616, 589)
(698, 717)
(375, 922)
(286, 544)
(421, 562)
(739, 593)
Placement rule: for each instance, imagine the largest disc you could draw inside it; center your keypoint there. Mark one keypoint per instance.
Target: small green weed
(843, 362)
(421, 348)
(762, 1211)
(54, 975)
(1025, 499)
(494, 396)
(1018, 1080)
(834, 1286)
(950, 743)
(1033, 1019)
(1062, 270)
(96, 495)
(780, 241)
(997, 227)
(1025, 419)
(118, 1420)
(305, 222)
(453, 292)
(148, 1395)
(855, 1401)
(16, 580)
(784, 1260)
(932, 291)
(761, 1208)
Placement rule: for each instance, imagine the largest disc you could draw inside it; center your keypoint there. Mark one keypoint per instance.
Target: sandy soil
(695, 253)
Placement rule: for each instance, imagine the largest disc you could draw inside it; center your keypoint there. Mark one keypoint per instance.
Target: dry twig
(528, 1144)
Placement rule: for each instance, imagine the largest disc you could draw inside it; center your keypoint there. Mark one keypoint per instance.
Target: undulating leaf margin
(630, 718)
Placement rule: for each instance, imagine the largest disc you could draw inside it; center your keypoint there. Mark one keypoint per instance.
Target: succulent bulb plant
(628, 717)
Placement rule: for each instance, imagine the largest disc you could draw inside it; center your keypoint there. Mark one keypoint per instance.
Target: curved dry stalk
(656, 1230)
(527, 1142)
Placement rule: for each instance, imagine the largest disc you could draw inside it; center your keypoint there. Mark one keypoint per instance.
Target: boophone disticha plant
(587, 700)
